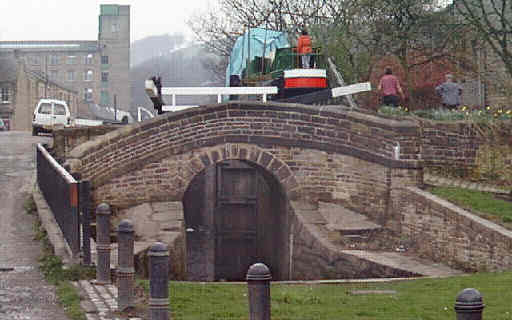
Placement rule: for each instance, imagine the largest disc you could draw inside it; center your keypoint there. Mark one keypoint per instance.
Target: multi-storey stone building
(97, 69)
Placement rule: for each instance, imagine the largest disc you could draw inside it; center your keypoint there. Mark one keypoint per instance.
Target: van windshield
(45, 108)
(60, 110)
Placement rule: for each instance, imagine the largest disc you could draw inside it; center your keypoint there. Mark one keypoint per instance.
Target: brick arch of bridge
(169, 178)
(312, 151)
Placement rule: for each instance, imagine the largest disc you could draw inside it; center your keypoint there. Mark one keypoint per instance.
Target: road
(23, 292)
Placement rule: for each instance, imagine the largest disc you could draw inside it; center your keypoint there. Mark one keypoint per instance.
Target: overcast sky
(78, 19)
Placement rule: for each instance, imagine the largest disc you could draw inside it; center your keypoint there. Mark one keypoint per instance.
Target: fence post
(469, 305)
(125, 270)
(103, 244)
(258, 285)
(158, 281)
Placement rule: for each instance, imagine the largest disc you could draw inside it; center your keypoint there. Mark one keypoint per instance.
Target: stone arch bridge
(315, 192)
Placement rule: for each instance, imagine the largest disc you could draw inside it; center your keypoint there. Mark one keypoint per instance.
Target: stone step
(358, 232)
(402, 261)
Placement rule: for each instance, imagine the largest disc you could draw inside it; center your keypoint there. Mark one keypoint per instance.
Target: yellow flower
(488, 108)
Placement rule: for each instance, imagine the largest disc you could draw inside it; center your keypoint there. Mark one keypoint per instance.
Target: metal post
(469, 305)
(103, 244)
(86, 221)
(125, 270)
(115, 107)
(158, 281)
(258, 285)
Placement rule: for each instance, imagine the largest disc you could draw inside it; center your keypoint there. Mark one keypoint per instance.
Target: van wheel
(34, 131)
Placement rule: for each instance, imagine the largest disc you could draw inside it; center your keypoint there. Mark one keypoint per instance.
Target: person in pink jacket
(389, 87)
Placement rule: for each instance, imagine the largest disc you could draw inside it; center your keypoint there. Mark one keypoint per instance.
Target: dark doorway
(235, 215)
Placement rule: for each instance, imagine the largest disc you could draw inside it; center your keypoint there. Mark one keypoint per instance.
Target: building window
(104, 59)
(35, 60)
(41, 90)
(71, 75)
(88, 75)
(71, 60)
(115, 27)
(88, 59)
(104, 76)
(88, 94)
(53, 60)
(5, 95)
(52, 74)
(104, 98)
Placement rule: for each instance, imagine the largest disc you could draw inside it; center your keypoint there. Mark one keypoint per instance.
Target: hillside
(182, 65)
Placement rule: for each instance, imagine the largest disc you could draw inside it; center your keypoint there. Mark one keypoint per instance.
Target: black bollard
(159, 282)
(258, 285)
(125, 270)
(469, 305)
(103, 244)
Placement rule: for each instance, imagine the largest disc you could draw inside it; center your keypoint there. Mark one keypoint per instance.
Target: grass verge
(483, 204)
(55, 273)
(425, 299)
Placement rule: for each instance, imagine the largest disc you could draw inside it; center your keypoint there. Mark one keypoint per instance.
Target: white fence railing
(152, 92)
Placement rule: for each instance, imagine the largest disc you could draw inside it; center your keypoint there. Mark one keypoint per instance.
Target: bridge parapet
(327, 128)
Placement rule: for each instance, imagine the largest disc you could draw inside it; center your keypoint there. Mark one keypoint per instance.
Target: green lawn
(481, 203)
(423, 299)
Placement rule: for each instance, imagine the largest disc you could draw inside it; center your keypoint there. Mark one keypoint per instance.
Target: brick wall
(453, 143)
(441, 231)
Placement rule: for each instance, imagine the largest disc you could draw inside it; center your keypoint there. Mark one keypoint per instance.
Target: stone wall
(365, 163)
(66, 139)
(467, 148)
(443, 232)
(163, 222)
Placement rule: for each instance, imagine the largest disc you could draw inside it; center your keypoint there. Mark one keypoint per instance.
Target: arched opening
(235, 215)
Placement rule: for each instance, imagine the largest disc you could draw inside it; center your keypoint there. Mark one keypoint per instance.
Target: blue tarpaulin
(256, 42)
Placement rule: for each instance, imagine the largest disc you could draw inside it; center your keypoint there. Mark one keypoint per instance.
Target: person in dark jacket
(450, 93)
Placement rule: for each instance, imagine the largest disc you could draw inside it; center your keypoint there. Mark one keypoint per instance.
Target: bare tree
(355, 32)
(492, 20)
(218, 29)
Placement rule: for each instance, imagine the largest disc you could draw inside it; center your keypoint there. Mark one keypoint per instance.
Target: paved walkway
(451, 182)
(24, 294)
(102, 302)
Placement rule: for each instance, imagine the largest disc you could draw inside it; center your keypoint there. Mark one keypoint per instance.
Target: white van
(48, 113)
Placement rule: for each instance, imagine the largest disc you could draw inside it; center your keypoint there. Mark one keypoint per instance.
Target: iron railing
(61, 191)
